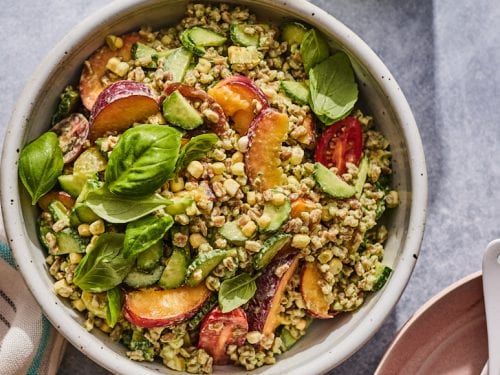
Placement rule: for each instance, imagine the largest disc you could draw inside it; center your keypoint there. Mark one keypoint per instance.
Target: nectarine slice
(263, 310)
(218, 330)
(316, 303)
(153, 307)
(120, 105)
(72, 133)
(95, 67)
(262, 160)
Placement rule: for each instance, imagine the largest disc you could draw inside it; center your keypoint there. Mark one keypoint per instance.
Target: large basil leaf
(143, 160)
(195, 149)
(104, 267)
(40, 164)
(114, 310)
(333, 88)
(145, 232)
(313, 49)
(236, 291)
(119, 209)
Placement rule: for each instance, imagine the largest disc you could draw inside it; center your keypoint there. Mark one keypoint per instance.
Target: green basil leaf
(115, 303)
(195, 149)
(314, 49)
(236, 291)
(143, 160)
(104, 266)
(40, 164)
(144, 233)
(117, 209)
(333, 88)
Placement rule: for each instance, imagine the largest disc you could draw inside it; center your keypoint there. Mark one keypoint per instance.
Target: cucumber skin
(137, 279)
(269, 250)
(298, 92)
(278, 215)
(195, 321)
(149, 259)
(383, 273)
(338, 189)
(174, 274)
(293, 32)
(231, 232)
(244, 41)
(206, 263)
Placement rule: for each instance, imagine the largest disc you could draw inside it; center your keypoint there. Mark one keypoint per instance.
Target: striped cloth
(28, 343)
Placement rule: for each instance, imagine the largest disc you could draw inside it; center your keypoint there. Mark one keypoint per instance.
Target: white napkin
(28, 343)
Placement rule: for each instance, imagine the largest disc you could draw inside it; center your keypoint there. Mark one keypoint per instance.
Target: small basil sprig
(313, 49)
(236, 291)
(104, 267)
(195, 149)
(143, 160)
(145, 232)
(40, 164)
(118, 209)
(333, 88)
(115, 303)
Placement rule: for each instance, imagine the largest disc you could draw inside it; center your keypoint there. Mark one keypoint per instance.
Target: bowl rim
(90, 345)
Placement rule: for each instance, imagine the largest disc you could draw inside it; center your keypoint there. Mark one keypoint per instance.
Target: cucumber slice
(293, 32)
(332, 184)
(270, 248)
(232, 232)
(177, 63)
(84, 213)
(196, 38)
(239, 37)
(43, 229)
(278, 215)
(140, 51)
(58, 211)
(382, 273)
(287, 338)
(178, 111)
(96, 303)
(202, 265)
(72, 184)
(68, 241)
(149, 259)
(174, 274)
(137, 279)
(362, 174)
(195, 321)
(297, 91)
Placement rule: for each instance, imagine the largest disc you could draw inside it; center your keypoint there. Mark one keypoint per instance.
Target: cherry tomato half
(218, 330)
(341, 143)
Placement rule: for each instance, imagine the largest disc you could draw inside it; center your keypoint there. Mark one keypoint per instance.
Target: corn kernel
(243, 144)
(231, 187)
(218, 168)
(264, 221)
(84, 230)
(97, 227)
(177, 184)
(75, 258)
(278, 199)
(195, 168)
(196, 239)
(249, 229)
(238, 169)
(114, 42)
(78, 305)
(251, 198)
(300, 241)
(335, 266)
(297, 155)
(237, 157)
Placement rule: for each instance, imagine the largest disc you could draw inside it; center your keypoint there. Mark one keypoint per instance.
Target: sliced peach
(300, 205)
(120, 105)
(316, 303)
(154, 307)
(262, 160)
(218, 330)
(263, 310)
(95, 67)
(238, 97)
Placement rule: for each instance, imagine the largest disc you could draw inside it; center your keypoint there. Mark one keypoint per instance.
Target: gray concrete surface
(445, 55)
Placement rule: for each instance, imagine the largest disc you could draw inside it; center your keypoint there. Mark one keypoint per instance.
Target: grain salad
(209, 189)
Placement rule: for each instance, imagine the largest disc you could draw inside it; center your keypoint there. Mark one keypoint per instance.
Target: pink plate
(447, 335)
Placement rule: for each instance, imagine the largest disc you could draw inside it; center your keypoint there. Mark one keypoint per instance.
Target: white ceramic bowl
(328, 343)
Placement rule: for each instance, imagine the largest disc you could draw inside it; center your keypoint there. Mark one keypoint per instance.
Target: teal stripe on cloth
(6, 254)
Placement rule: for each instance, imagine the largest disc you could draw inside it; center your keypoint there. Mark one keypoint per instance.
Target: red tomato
(218, 330)
(342, 142)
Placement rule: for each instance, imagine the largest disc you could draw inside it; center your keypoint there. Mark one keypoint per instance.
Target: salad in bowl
(209, 189)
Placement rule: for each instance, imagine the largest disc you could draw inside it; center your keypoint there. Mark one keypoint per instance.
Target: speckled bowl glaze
(328, 343)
